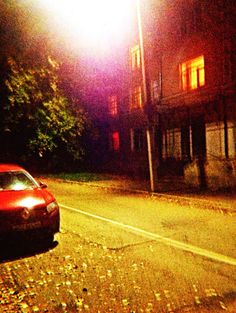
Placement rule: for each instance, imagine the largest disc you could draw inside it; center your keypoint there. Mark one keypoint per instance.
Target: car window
(16, 181)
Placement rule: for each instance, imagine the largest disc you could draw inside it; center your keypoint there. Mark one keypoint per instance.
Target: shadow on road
(10, 251)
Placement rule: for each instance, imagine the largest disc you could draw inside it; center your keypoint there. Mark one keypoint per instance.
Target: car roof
(10, 167)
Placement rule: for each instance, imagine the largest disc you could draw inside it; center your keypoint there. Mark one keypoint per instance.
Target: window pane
(193, 73)
(184, 76)
(135, 57)
(193, 78)
(112, 105)
(154, 90)
(201, 74)
(136, 98)
(115, 141)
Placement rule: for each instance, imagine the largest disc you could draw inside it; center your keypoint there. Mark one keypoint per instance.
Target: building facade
(189, 62)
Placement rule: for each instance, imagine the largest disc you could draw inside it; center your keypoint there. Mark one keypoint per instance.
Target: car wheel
(48, 239)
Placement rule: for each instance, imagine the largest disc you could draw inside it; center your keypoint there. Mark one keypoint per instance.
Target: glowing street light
(95, 24)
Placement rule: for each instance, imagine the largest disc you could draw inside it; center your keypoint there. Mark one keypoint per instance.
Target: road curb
(195, 201)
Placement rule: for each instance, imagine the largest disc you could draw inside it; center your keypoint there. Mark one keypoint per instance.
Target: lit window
(112, 105)
(193, 73)
(115, 141)
(155, 90)
(135, 57)
(136, 98)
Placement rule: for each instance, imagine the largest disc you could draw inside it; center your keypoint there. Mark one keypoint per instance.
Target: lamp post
(147, 103)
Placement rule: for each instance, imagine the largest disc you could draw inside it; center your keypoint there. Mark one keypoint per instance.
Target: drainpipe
(226, 136)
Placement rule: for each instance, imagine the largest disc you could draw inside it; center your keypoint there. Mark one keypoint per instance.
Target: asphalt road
(121, 252)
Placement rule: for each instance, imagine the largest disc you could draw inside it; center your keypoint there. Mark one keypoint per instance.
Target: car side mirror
(42, 185)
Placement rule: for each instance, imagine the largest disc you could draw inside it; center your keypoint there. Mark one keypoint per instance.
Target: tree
(38, 119)
(41, 119)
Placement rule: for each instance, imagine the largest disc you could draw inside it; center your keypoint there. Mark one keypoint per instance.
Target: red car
(26, 206)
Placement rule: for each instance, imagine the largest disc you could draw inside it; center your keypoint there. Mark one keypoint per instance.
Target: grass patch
(82, 177)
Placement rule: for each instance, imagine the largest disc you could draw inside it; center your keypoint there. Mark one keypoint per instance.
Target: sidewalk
(174, 189)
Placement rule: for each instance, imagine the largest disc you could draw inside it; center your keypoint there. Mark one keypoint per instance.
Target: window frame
(135, 57)
(137, 139)
(136, 97)
(115, 141)
(113, 105)
(192, 73)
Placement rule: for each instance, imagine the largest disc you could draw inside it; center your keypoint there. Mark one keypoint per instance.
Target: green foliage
(80, 177)
(38, 123)
(39, 116)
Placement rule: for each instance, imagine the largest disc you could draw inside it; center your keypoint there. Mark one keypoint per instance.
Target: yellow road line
(168, 241)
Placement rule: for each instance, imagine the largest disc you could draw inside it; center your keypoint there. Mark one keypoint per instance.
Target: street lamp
(91, 24)
(147, 103)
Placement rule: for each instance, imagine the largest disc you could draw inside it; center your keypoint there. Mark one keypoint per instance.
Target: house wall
(174, 35)
(215, 141)
(212, 41)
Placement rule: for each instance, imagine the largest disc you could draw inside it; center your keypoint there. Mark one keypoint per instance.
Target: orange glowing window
(193, 73)
(136, 101)
(115, 141)
(135, 57)
(112, 105)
